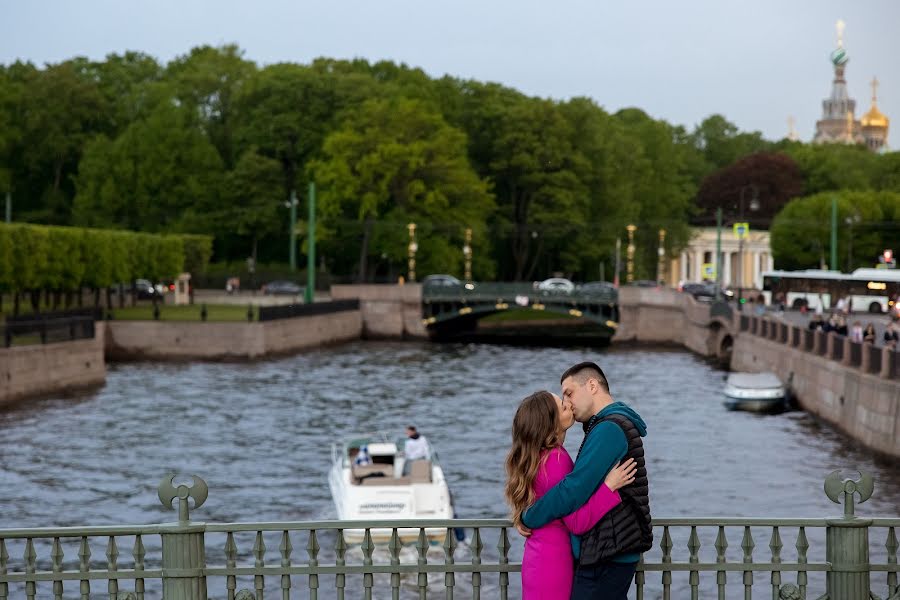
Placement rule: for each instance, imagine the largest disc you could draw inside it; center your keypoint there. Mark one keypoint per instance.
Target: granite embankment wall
(854, 387)
(664, 316)
(62, 367)
(388, 311)
(172, 340)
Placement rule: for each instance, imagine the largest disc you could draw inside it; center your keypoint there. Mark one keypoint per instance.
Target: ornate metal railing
(191, 560)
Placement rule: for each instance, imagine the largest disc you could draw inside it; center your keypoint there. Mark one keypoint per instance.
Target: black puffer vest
(626, 528)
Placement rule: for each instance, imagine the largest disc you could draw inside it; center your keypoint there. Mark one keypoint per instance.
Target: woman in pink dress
(536, 462)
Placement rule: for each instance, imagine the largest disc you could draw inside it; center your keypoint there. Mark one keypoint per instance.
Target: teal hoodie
(605, 445)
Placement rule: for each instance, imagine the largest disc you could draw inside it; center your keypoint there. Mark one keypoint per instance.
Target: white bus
(868, 290)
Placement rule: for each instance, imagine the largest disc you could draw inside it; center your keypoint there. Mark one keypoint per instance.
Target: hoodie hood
(620, 408)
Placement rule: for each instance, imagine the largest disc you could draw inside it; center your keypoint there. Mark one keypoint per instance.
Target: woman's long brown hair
(535, 428)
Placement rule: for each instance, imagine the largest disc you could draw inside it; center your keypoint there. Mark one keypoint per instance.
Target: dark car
(597, 288)
(441, 280)
(144, 289)
(285, 288)
(705, 291)
(645, 283)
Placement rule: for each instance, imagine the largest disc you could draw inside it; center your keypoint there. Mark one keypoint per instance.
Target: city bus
(869, 290)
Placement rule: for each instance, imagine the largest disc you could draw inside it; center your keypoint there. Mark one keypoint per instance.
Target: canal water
(261, 433)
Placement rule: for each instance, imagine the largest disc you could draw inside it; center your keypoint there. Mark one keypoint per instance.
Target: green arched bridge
(448, 306)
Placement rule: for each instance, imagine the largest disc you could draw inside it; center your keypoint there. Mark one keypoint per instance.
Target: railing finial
(168, 492)
(836, 486)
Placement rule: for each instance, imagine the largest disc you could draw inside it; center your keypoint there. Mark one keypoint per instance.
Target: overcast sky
(755, 62)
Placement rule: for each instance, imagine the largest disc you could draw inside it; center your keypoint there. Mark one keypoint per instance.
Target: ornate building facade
(838, 123)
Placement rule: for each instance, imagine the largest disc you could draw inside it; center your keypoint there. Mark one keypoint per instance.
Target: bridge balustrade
(188, 560)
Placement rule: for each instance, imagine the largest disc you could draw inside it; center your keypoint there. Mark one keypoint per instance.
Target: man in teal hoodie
(607, 555)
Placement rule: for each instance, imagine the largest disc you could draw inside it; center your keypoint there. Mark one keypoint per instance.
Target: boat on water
(371, 480)
(757, 392)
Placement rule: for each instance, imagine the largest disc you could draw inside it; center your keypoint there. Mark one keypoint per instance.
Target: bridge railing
(190, 560)
(491, 292)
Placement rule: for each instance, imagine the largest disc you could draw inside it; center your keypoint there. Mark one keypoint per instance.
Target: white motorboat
(758, 392)
(370, 480)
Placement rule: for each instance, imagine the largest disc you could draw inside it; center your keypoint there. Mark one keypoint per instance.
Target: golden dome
(874, 118)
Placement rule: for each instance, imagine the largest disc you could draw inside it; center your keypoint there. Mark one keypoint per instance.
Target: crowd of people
(857, 333)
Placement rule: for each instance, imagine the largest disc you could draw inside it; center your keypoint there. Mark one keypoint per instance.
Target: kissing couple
(586, 523)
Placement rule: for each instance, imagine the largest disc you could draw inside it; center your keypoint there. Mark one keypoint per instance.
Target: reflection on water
(261, 435)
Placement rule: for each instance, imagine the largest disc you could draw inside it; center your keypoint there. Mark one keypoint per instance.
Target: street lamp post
(411, 252)
(292, 204)
(629, 265)
(467, 255)
(754, 205)
(851, 221)
(661, 251)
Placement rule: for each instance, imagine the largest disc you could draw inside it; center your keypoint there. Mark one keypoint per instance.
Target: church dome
(839, 57)
(874, 118)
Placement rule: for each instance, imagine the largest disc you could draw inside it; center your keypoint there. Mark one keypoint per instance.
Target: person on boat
(608, 554)
(415, 448)
(536, 462)
(362, 457)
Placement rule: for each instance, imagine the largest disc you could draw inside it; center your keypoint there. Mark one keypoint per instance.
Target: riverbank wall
(388, 311)
(183, 341)
(854, 387)
(667, 317)
(56, 368)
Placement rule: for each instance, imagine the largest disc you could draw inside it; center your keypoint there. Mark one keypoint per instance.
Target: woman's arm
(583, 520)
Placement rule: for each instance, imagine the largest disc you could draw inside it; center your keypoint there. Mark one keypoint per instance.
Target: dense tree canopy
(212, 143)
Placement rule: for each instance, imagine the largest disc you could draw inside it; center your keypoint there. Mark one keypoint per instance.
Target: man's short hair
(411, 428)
(584, 371)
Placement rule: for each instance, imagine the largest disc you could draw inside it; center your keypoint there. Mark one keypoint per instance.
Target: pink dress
(547, 565)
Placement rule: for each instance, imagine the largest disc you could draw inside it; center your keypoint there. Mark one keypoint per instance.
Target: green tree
(208, 80)
(161, 174)
(253, 199)
(801, 232)
(54, 133)
(399, 162)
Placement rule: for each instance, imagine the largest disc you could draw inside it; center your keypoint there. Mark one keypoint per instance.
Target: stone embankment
(388, 311)
(181, 341)
(664, 316)
(39, 369)
(854, 387)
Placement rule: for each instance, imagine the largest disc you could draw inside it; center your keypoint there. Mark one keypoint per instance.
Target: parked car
(282, 287)
(441, 280)
(144, 289)
(704, 291)
(597, 288)
(556, 285)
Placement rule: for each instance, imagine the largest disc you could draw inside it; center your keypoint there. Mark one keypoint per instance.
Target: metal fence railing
(22, 332)
(692, 557)
(866, 357)
(290, 311)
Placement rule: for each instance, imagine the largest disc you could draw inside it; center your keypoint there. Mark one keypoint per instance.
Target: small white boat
(758, 392)
(379, 489)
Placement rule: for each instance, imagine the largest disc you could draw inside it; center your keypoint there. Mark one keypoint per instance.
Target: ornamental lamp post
(629, 266)
(411, 252)
(754, 206)
(467, 255)
(661, 251)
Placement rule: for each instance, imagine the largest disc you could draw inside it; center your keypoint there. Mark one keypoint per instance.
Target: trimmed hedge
(39, 257)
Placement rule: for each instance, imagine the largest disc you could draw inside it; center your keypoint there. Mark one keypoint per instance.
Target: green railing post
(847, 540)
(309, 292)
(183, 547)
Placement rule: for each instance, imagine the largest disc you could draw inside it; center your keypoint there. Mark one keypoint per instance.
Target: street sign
(708, 270)
(741, 230)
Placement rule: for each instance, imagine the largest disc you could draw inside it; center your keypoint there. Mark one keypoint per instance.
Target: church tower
(837, 124)
(874, 124)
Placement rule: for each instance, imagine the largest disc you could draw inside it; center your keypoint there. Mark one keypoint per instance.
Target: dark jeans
(606, 581)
